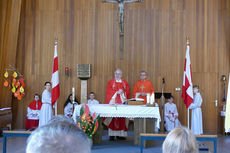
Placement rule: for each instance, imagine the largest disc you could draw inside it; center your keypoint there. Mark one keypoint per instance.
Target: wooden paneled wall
(224, 53)
(9, 27)
(155, 33)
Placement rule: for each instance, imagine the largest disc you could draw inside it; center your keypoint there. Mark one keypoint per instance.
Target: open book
(135, 99)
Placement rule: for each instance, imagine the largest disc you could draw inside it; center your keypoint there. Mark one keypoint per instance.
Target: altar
(145, 118)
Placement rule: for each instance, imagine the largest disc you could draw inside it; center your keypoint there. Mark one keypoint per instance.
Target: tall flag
(187, 90)
(55, 77)
(227, 114)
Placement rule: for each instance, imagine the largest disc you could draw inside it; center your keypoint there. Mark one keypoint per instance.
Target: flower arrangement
(87, 122)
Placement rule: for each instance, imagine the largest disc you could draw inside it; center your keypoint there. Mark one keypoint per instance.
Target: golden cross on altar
(142, 87)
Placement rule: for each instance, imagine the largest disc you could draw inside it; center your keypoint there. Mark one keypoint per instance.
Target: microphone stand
(162, 105)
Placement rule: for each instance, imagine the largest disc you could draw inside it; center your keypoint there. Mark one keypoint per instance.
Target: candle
(148, 98)
(152, 99)
(73, 94)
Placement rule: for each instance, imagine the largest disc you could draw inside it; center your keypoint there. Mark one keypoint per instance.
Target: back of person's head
(180, 140)
(58, 136)
(61, 118)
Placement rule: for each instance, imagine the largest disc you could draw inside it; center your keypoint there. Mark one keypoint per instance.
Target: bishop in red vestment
(142, 87)
(117, 91)
(33, 112)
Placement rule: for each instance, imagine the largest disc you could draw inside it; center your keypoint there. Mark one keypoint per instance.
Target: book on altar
(135, 99)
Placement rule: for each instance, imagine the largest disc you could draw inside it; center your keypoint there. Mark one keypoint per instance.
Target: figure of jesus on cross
(121, 4)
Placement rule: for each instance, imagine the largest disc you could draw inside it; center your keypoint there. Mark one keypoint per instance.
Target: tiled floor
(17, 145)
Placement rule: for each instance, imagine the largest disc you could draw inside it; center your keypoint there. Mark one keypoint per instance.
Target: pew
(161, 137)
(5, 117)
(13, 134)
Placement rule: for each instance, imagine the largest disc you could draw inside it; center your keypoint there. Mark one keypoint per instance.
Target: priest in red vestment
(33, 112)
(142, 87)
(117, 92)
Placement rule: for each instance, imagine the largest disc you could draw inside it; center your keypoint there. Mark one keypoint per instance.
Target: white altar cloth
(126, 111)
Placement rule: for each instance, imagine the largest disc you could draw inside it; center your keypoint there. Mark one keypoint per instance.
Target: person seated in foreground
(91, 99)
(180, 140)
(60, 135)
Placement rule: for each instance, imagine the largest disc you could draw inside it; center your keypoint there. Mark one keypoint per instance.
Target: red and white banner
(187, 91)
(55, 77)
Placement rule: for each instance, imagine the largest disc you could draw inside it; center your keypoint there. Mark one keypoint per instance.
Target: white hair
(118, 70)
(58, 136)
(180, 140)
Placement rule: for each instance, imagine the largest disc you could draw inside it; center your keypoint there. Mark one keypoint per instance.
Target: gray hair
(61, 118)
(58, 136)
(143, 71)
(118, 70)
(180, 140)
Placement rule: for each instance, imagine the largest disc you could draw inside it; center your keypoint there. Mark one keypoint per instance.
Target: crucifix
(121, 7)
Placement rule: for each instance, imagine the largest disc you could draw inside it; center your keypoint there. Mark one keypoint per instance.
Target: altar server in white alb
(92, 99)
(70, 105)
(196, 123)
(46, 111)
(171, 115)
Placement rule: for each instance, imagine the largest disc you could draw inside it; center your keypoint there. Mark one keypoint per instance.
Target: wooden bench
(13, 134)
(161, 137)
(5, 117)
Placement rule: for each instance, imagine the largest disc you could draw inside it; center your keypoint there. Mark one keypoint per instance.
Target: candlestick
(73, 94)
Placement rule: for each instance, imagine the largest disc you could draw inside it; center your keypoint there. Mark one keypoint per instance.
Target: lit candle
(152, 99)
(73, 94)
(148, 98)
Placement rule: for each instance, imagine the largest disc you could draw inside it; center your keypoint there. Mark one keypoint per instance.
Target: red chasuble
(117, 124)
(113, 87)
(140, 86)
(33, 112)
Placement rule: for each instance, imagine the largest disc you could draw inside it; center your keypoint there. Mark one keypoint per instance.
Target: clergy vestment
(46, 112)
(117, 126)
(196, 123)
(33, 113)
(140, 86)
(171, 116)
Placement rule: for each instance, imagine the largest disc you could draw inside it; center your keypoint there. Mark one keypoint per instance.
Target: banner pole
(55, 112)
(188, 118)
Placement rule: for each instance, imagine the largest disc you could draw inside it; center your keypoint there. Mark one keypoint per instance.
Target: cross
(121, 4)
(142, 88)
